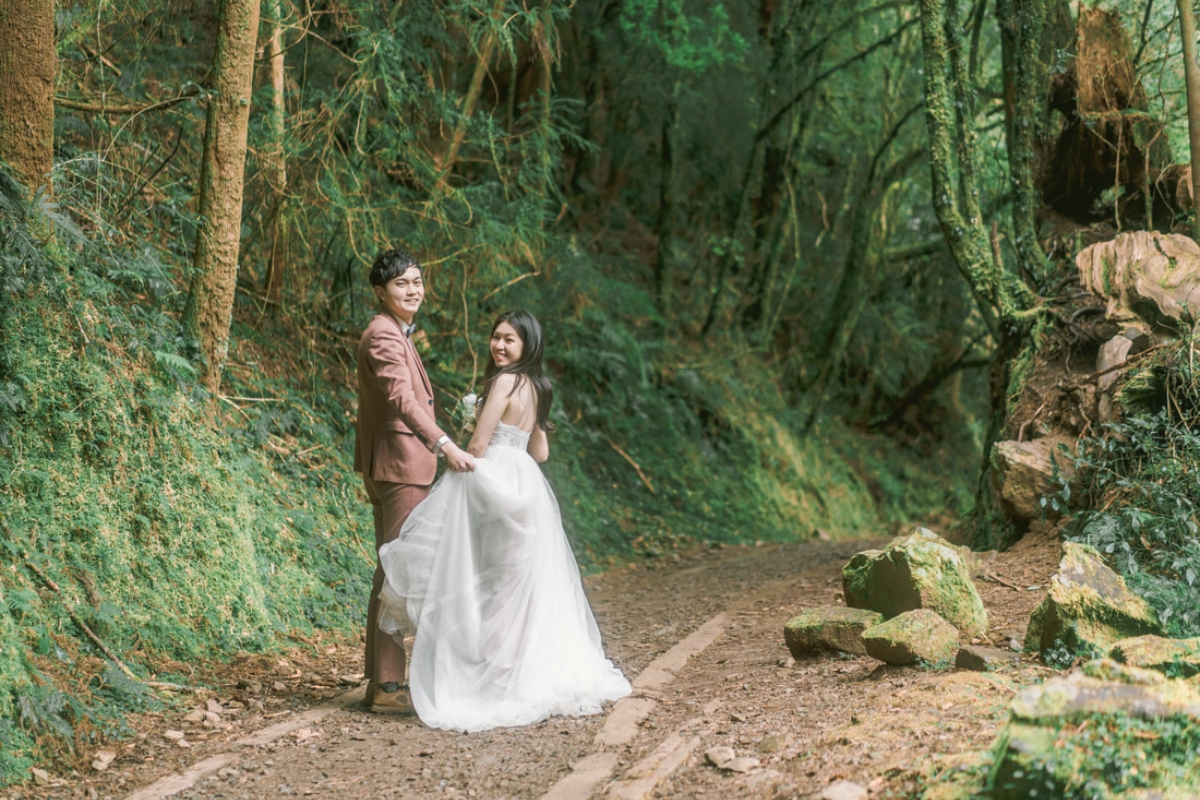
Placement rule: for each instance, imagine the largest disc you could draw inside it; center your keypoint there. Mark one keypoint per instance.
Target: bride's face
(506, 345)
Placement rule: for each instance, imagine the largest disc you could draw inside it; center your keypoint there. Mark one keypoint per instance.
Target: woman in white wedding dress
(504, 633)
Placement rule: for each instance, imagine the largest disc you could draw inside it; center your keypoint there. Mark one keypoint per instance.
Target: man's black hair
(391, 264)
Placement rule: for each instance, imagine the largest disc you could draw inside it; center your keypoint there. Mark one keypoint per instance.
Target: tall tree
(214, 276)
(27, 69)
(275, 160)
(1004, 301)
(1187, 24)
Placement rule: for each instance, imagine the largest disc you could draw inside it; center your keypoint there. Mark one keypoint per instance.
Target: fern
(175, 364)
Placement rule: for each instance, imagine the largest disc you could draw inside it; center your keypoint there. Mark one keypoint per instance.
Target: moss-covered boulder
(1176, 657)
(921, 570)
(918, 635)
(1088, 607)
(1079, 736)
(829, 629)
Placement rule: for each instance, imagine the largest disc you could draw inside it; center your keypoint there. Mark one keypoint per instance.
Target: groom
(396, 447)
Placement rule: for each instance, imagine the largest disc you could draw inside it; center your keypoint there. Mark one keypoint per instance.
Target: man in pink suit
(396, 447)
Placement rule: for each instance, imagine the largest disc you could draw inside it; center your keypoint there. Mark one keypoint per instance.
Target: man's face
(403, 294)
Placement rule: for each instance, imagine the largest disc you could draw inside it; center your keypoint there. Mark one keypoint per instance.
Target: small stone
(720, 755)
(980, 659)
(351, 679)
(821, 535)
(740, 764)
(195, 715)
(843, 790)
(771, 743)
(40, 776)
(280, 686)
(174, 736)
(736, 717)
(212, 718)
(214, 706)
(103, 759)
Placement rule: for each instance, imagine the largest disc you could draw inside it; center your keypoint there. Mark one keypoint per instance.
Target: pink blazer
(396, 424)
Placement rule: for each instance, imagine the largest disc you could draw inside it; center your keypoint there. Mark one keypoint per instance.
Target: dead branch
(83, 626)
(632, 463)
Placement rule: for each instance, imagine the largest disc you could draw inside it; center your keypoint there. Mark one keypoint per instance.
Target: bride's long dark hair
(528, 366)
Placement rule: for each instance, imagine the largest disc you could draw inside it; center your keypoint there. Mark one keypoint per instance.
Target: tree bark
(1026, 75)
(483, 57)
(27, 70)
(209, 306)
(1187, 24)
(1003, 300)
(275, 165)
(666, 201)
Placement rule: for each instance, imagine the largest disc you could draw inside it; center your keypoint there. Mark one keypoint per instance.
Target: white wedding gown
(504, 633)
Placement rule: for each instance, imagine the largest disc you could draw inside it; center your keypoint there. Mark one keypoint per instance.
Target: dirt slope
(807, 723)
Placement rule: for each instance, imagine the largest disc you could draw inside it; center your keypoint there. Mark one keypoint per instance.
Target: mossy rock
(1176, 657)
(1028, 766)
(1088, 607)
(921, 570)
(1077, 735)
(1106, 687)
(829, 629)
(917, 635)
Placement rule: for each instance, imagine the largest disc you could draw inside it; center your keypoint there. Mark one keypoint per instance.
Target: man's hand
(457, 459)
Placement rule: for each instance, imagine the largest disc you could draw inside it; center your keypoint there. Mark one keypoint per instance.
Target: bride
(504, 633)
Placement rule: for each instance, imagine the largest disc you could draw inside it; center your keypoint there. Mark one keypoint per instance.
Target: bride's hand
(457, 459)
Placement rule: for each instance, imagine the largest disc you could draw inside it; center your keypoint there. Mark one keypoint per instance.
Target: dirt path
(286, 726)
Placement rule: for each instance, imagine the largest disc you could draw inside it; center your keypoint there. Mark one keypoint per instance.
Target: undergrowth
(1138, 491)
(179, 527)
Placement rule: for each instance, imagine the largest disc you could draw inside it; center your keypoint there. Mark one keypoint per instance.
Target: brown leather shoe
(397, 702)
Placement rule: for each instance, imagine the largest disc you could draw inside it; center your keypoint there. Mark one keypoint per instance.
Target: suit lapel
(416, 357)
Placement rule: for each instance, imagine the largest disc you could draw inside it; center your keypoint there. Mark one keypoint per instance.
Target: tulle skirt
(504, 633)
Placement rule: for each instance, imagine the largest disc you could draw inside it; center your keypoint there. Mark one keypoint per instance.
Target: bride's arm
(485, 423)
(539, 445)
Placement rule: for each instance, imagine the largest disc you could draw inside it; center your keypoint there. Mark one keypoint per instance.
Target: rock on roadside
(918, 635)
(1087, 607)
(828, 629)
(1179, 657)
(921, 570)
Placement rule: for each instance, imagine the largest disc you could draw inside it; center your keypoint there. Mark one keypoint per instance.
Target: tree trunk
(1187, 24)
(663, 224)
(27, 70)
(1003, 300)
(1023, 28)
(483, 57)
(209, 307)
(275, 162)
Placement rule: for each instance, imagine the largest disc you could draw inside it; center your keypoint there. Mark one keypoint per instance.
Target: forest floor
(291, 724)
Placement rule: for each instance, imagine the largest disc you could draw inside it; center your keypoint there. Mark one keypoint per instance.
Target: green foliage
(1139, 504)
(688, 42)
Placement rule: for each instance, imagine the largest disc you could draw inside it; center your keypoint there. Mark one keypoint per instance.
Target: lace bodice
(507, 435)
